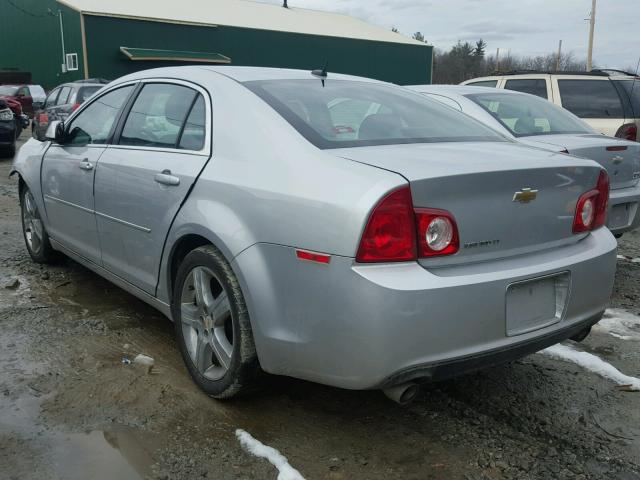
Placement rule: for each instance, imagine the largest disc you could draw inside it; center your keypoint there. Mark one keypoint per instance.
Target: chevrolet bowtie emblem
(526, 195)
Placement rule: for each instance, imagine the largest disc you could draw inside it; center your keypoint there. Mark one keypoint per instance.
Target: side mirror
(55, 132)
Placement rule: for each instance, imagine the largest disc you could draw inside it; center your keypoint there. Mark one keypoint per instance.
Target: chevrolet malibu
(325, 227)
(537, 122)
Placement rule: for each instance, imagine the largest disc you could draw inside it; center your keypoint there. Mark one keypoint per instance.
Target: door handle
(85, 164)
(165, 178)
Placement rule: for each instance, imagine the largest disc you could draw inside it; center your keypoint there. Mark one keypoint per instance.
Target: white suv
(608, 100)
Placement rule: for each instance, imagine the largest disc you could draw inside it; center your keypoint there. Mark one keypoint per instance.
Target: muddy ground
(70, 409)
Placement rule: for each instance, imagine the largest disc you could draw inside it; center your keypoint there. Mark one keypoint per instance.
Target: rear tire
(35, 235)
(212, 325)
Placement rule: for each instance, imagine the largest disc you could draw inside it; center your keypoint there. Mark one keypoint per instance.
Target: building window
(72, 62)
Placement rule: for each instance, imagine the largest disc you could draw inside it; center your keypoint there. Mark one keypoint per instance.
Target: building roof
(241, 13)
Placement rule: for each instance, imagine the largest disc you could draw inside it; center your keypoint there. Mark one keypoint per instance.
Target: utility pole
(498, 60)
(592, 25)
(559, 56)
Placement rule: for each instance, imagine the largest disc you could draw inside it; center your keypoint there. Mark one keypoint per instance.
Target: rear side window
(85, 92)
(533, 86)
(51, 99)
(193, 134)
(484, 83)
(631, 90)
(157, 116)
(94, 123)
(63, 98)
(590, 98)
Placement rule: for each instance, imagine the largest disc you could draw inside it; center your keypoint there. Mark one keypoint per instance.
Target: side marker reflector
(313, 256)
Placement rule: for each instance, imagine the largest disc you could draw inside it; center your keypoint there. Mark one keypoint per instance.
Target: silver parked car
(539, 123)
(334, 229)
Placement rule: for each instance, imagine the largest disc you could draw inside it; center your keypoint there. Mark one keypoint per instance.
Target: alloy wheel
(207, 325)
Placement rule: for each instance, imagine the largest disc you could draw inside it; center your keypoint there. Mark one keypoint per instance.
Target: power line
(27, 12)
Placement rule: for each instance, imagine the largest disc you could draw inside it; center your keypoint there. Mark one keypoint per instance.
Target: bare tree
(465, 60)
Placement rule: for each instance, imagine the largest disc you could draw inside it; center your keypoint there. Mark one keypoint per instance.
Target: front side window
(94, 123)
(346, 113)
(524, 116)
(591, 98)
(157, 116)
(484, 83)
(533, 86)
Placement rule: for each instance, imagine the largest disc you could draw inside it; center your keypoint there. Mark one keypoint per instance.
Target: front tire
(35, 235)
(212, 325)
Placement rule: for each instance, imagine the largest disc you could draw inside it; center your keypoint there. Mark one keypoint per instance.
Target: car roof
(461, 90)
(239, 74)
(81, 84)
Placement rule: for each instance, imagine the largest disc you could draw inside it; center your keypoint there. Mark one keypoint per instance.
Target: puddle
(118, 453)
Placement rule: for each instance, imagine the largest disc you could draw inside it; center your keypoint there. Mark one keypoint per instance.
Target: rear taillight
(591, 209)
(396, 232)
(75, 106)
(390, 234)
(43, 118)
(628, 131)
(437, 232)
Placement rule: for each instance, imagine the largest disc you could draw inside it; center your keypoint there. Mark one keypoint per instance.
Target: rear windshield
(526, 115)
(86, 92)
(632, 90)
(356, 114)
(8, 90)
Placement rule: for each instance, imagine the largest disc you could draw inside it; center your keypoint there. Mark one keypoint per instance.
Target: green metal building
(49, 42)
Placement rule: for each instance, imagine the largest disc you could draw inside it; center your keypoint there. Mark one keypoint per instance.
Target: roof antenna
(284, 4)
(321, 74)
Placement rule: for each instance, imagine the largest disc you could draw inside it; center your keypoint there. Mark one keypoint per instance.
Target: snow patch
(257, 448)
(620, 324)
(593, 363)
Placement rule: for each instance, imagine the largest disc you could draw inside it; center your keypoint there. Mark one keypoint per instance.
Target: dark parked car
(30, 97)
(7, 130)
(63, 101)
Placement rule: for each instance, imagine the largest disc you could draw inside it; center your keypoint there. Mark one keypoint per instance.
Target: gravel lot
(70, 409)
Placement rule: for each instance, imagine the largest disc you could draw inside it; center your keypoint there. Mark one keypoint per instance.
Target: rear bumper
(371, 326)
(623, 210)
(451, 368)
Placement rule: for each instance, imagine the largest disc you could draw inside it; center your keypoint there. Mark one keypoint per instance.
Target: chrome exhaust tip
(403, 394)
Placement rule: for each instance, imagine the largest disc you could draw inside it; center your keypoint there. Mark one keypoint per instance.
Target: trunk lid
(477, 183)
(621, 158)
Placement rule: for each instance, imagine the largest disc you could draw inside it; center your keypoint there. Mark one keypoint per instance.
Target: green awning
(152, 54)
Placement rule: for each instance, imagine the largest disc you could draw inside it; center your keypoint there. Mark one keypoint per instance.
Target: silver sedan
(324, 227)
(537, 122)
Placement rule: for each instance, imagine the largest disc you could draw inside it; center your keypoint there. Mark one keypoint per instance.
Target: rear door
(162, 145)
(68, 173)
(594, 99)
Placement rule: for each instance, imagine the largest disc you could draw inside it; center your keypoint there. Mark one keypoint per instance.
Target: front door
(68, 172)
(144, 177)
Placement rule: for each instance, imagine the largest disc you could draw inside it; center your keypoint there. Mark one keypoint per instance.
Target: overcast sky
(526, 27)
